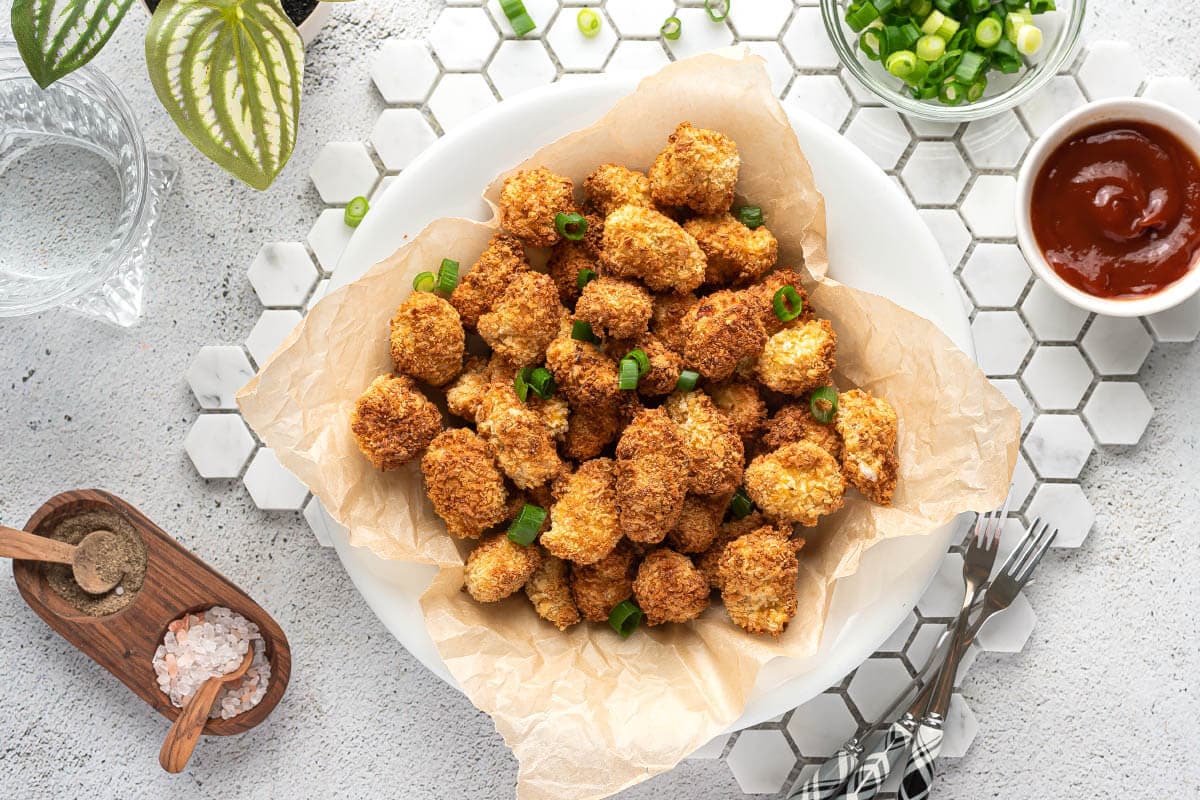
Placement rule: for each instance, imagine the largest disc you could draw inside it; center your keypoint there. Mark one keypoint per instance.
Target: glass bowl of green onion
(953, 60)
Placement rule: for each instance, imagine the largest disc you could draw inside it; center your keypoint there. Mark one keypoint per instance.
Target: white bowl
(1186, 129)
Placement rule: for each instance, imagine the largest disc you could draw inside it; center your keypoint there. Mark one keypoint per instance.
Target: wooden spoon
(181, 739)
(86, 559)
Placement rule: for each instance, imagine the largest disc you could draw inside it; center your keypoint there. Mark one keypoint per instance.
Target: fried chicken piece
(583, 373)
(667, 323)
(795, 423)
(499, 567)
(758, 572)
(598, 588)
(519, 437)
(798, 360)
(744, 406)
(716, 455)
(593, 237)
(482, 286)
(554, 411)
(720, 331)
(652, 476)
(641, 243)
(611, 186)
(698, 169)
(549, 589)
(709, 561)
(735, 253)
(585, 528)
(427, 339)
(699, 522)
(529, 202)
(615, 308)
(761, 297)
(393, 421)
(869, 429)
(566, 260)
(665, 364)
(590, 431)
(463, 483)
(525, 320)
(669, 588)
(799, 482)
(462, 396)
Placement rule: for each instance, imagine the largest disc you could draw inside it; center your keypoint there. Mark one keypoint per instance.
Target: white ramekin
(1133, 109)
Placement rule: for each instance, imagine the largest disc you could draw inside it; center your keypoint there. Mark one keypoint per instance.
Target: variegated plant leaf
(229, 73)
(57, 37)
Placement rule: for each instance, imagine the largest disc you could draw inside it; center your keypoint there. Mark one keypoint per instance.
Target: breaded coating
(698, 169)
(709, 561)
(554, 411)
(744, 405)
(798, 483)
(525, 320)
(583, 373)
(615, 308)
(549, 589)
(611, 186)
(716, 455)
(392, 421)
(529, 202)
(499, 567)
(652, 476)
(669, 588)
(463, 483)
(590, 431)
(869, 430)
(798, 360)
(598, 588)
(667, 323)
(641, 243)
(585, 528)
(593, 237)
(665, 364)
(795, 423)
(566, 260)
(735, 254)
(758, 572)
(462, 396)
(482, 286)
(427, 339)
(699, 522)
(761, 296)
(518, 436)
(720, 331)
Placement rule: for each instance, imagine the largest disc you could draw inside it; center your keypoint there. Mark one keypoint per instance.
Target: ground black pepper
(128, 556)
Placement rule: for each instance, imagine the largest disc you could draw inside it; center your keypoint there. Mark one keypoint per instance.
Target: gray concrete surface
(1101, 703)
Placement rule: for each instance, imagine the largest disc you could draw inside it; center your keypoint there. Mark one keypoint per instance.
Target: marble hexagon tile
(1073, 376)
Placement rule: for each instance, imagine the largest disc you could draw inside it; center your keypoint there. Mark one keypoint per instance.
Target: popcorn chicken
(549, 590)
(463, 483)
(566, 260)
(720, 331)
(652, 476)
(795, 423)
(524, 321)
(615, 308)
(744, 406)
(598, 588)
(587, 377)
(699, 522)
(590, 431)
(761, 297)
(529, 202)
(641, 243)
(499, 567)
(698, 169)
(585, 528)
(716, 456)
(427, 339)
(518, 436)
(665, 364)
(611, 186)
(462, 396)
(869, 429)
(734, 253)
(709, 561)
(758, 575)
(798, 360)
(482, 286)
(798, 483)
(392, 421)
(669, 588)
(667, 322)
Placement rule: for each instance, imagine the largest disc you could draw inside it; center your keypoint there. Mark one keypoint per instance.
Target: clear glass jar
(1060, 28)
(79, 195)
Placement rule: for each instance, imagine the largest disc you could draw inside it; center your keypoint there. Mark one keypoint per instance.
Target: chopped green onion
(628, 377)
(787, 303)
(933, 23)
(920, 8)
(970, 68)
(356, 209)
(976, 89)
(750, 216)
(518, 17)
(671, 28)
(541, 381)
(1042, 6)
(625, 618)
(1013, 22)
(979, 6)
(687, 380)
(643, 360)
(570, 226)
(740, 506)
(948, 28)
(931, 48)
(584, 277)
(952, 93)
(588, 22)
(901, 63)
(824, 404)
(862, 16)
(1029, 39)
(447, 276)
(871, 42)
(582, 331)
(424, 282)
(989, 32)
(524, 529)
(918, 75)
(521, 384)
(1005, 57)
(717, 10)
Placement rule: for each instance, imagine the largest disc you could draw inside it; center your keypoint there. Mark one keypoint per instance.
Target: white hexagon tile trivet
(1072, 375)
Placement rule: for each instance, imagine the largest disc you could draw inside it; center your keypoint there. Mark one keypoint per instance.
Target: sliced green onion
(1013, 22)
(584, 277)
(582, 331)
(989, 32)
(750, 216)
(787, 303)
(824, 404)
(918, 75)
(570, 226)
(1005, 57)
(643, 360)
(952, 93)
(933, 23)
(356, 209)
(424, 282)
(524, 529)
(671, 28)
(920, 8)
(902, 63)
(945, 6)
(931, 48)
(1029, 39)
(625, 618)
(717, 10)
(871, 42)
(518, 17)
(970, 68)
(862, 16)
(740, 506)
(541, 380)
(628, 377)
(884, 6)
(975, 90)
(588, 22)
(687, 380)
(1042, 6)
(447, 277)
(979, 6)
(521, 383)
(948, 28)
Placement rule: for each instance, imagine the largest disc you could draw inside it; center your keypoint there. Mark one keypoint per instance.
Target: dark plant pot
(308, 15)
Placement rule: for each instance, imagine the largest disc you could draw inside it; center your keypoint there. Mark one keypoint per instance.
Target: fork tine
(1027, 571)
(1038, 535)
(1021, 547)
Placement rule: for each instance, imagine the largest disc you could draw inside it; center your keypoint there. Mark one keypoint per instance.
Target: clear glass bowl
(79, 195)
(1060, 28)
